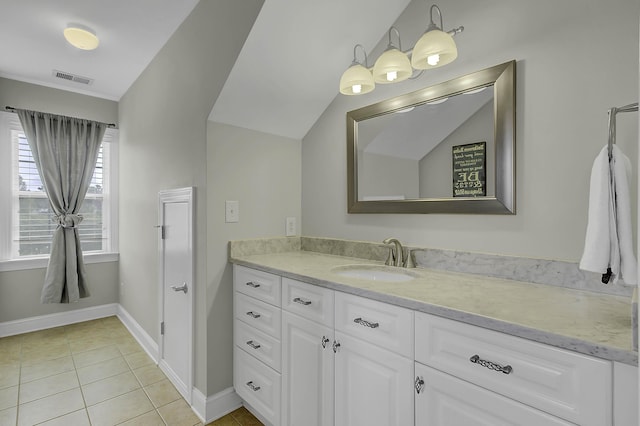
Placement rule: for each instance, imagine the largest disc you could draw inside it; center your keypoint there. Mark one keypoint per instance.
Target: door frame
(179, 195)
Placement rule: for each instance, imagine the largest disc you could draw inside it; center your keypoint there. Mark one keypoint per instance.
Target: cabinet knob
(419, 384)
(252, 284)
(253, 314)
(507, 369)
(336, 345)
(325, 340)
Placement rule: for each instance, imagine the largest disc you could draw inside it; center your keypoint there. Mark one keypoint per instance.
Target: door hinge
(162, 328)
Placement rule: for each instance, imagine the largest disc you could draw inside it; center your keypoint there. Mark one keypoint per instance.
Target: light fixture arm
(355, 60)
(390, 45)
(432, 25)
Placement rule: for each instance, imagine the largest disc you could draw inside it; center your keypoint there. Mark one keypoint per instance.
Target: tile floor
(90, 373)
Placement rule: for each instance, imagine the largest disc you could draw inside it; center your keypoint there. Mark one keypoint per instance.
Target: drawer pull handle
(302, 301)
(252, 284)
(366, 323)
(507, 369)
(253, 314)
(324, 342)
(419, 384)
(253, 387)
(336, 345)
(253, 345)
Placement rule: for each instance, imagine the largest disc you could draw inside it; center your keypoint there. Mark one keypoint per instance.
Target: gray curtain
(65, 151)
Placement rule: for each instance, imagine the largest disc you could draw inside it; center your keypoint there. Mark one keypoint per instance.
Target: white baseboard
(148, 344)
(27, 325)
(215, 406)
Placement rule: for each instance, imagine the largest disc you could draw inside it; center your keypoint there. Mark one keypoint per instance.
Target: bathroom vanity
(328, 340)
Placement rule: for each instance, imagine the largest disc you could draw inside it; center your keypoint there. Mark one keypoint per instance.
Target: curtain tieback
(68, 221)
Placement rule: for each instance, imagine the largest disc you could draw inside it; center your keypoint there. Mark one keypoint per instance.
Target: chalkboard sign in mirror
(448, 148)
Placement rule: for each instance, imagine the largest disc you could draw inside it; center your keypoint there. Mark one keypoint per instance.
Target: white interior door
(177, 291)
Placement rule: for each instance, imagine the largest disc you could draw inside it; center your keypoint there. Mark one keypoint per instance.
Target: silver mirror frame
(503, 79)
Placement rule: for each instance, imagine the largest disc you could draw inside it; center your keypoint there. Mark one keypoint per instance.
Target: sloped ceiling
(285, 77)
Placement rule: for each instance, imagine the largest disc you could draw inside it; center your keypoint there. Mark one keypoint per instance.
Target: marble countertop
(585, 322)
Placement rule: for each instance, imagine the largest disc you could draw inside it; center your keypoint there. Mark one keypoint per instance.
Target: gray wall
(575, 59)
(262, 172)
(20, 290)
(163, 138)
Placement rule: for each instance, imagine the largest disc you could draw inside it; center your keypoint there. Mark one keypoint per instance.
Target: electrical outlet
(290, 228)
(231, 211)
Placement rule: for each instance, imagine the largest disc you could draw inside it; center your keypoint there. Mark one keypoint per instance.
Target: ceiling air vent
(72, 77)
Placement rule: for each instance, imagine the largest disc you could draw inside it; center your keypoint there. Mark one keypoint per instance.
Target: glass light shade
(356, 80)
(434, 49)
(392, 66)
(81, 38)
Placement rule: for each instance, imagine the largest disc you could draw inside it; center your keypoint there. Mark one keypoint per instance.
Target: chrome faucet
(396, 253)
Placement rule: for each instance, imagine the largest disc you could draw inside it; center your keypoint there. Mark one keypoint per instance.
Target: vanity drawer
(307, 300)
(258, 284)
(572, 386)
(444, 400)
(264, 317)
(388, 326)
(258, 344)
(257, 384)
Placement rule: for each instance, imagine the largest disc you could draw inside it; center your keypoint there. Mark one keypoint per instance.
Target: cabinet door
(444, 400)
(307, 372)
(374, 386)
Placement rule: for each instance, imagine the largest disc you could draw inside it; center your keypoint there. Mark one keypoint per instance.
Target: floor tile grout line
(75, 368)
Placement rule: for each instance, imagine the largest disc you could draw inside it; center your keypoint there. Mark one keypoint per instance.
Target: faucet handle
(409, 261)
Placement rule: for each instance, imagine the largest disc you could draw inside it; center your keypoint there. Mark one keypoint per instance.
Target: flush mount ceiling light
(81, 37)
(434, 49)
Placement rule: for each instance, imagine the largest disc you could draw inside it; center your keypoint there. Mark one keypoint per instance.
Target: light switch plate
(231, 211)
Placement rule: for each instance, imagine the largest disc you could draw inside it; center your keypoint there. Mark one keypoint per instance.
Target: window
(26, 224)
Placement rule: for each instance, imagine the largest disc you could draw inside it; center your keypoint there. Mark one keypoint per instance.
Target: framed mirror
(448, 148)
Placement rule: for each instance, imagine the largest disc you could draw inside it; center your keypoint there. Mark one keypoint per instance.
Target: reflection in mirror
(447, 148)
(421, 167)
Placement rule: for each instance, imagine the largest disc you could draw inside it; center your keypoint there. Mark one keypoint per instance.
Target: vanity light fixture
(434, 49)
(81, 37)
(392, 66)
(357, 79)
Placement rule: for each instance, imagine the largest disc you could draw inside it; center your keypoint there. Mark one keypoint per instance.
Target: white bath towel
(609, 240)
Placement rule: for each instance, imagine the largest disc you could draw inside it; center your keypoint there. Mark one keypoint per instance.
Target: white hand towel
(597, 244)
(621, 167)
(608, 240)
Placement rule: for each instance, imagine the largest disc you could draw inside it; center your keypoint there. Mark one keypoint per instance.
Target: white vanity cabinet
(307, 355)
(374, 363)
(257, 348)
(507, 380)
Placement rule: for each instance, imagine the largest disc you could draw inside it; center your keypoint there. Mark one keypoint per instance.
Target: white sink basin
(375, 273)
